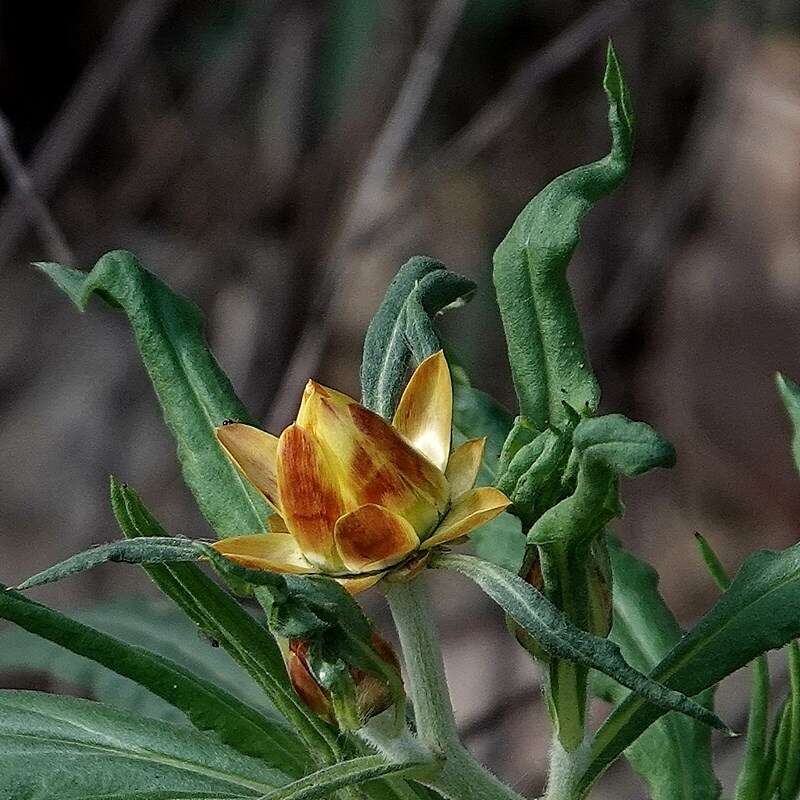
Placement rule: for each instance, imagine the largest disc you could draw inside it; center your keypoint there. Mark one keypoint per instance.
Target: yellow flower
(354, 495)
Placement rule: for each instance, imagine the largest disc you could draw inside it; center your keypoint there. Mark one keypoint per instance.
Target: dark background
(278, 161)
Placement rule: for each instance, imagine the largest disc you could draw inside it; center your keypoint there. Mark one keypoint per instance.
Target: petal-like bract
(462, 468)
(311, 498)
(468, 512)
(424, 415)
(273, 552)
(253, 451)
(371, 538)
(372, 461)
(357, 585)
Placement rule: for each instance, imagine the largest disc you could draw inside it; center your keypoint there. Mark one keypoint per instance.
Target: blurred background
(278, 161)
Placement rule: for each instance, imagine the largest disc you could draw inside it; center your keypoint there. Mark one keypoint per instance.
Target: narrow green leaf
(712, 562)
(548, 359)
(194, 393)
(779, 751)
(387, 350)
(154, 550)
(532, 611)
(221, 618)
(674, 754)
(52, 746)
(755, 769)
(153, 624)
(790, 780)
(206, 705)
(759, 612)
(790, 394)
(347, 773)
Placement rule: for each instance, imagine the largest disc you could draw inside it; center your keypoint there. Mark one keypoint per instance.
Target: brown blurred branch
(498, 114)
(121, 51)
(639, 277)
(23, 189)
(385, 154)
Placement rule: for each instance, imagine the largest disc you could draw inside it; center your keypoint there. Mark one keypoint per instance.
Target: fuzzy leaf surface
(674, 754)
(207, 706)
(53, 746)
(402, 324)
(759, 612)
(554, 632)
(549, 363)
(194, 393)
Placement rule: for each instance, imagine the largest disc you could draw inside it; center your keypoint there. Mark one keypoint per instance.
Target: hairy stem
(566, 768)
(461, 777)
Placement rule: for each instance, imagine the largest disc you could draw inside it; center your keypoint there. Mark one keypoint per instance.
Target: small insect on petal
(463, 466)
(424, 415)
(468, 512)
(254, 452)
(311, 497)
(371, 537)
(273, 552)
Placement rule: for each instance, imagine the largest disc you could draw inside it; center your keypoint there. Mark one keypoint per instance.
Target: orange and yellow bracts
(355, 496)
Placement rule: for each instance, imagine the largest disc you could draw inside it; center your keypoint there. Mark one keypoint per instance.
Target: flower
(355, 496)
(371, 693)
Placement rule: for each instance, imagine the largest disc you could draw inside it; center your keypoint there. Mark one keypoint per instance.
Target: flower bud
(369, 694)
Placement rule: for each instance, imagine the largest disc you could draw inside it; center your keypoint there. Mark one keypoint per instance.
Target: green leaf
(153, 624)
(346, 773)
(790, 394)
(477, 414)
(605, 447)
(759, 612)
(62, 747)
(673, 755)
(790, 778)
(154, 550)
(532, 611)
(548, 359)
(437, 291)
(194, 393)
(421, 289)
(755, 769)
(221, 618)
(624, 446)
(206, 705)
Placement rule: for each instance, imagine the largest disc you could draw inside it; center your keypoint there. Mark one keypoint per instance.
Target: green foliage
(154, 550)
(532, 611)
(53, 746)
(402, 327)
(605, 447)
(790, 394)
(207, 706)
(346, 773)
(222, 619)
(152, 624)
(674, 754)
(194, 393)
(545, 345)
(760, 611)
(319, 611)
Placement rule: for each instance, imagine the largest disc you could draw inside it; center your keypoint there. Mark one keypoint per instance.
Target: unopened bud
(371, 693)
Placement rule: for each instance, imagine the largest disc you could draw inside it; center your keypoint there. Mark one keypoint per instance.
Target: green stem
(566, 768)
(564, 571)
(461, 777)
